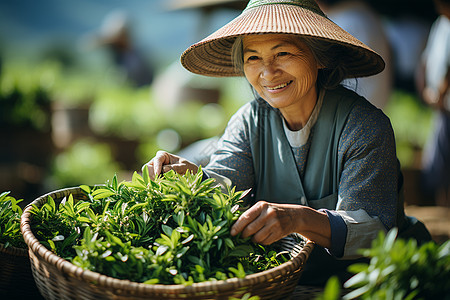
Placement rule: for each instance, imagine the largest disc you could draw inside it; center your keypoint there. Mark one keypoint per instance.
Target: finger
(265, 236)
(161, 158)
(246, 219)
(151, 172)
(179, 168)
(269, 233)
(147, 165)
(253, 227)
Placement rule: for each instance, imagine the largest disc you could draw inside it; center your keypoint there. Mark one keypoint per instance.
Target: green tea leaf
(102, 194)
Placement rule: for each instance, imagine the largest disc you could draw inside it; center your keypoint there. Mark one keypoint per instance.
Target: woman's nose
(269, 70)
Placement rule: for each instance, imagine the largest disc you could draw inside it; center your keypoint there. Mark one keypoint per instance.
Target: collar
(299, 138)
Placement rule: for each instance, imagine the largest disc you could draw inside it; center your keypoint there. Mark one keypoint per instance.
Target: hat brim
(212, 55)
(205, 4)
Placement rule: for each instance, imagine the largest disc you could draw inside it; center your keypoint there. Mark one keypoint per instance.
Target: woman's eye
(252, 58)
(283, 53)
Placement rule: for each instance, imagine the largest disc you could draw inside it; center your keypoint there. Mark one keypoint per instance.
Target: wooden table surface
(435, 218)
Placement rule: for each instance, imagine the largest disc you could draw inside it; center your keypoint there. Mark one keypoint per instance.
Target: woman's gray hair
(326, 54)
(237, 54)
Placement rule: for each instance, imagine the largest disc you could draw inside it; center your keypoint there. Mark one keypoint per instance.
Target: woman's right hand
(164, 162)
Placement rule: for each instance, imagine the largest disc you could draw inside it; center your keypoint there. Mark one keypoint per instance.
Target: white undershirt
(299, 138)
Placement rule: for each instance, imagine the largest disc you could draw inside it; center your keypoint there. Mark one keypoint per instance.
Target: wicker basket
(16, 279)
(57, 278)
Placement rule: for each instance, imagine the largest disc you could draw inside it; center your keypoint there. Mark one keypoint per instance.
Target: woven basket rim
(11, 250)
(109, 282)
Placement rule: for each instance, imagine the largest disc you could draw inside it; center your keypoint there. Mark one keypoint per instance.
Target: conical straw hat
(212, 55)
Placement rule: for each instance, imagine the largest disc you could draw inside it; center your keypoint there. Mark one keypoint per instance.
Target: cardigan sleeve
(368, 191)
(338, 233)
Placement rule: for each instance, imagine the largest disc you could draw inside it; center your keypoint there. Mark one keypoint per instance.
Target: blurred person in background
(115, 35)
(359, 19)
(176, 85)
(433, 79)
(407, 37)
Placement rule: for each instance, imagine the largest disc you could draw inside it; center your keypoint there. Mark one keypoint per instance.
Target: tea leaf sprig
(10, 213)
(401, 269)
(58, 227)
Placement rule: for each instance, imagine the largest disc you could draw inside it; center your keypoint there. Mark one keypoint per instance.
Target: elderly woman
(319, 158)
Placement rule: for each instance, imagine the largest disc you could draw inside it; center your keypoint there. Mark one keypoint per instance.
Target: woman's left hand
(164, 162)
(267, 222)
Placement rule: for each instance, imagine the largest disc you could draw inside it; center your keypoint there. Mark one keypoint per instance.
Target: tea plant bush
(10, 213)
(401, 269)
(24, 98)
(171, 230)
(86, 160)
(412, 123)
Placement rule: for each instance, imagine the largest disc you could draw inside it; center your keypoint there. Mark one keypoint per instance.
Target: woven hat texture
(212, 55)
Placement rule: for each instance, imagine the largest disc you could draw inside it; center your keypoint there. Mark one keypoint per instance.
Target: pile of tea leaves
(174, 229)
(10, 213)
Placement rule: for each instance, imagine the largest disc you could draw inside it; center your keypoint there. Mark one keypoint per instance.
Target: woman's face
(282, 69)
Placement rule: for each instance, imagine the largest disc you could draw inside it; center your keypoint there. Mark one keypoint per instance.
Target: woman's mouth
(279, 87)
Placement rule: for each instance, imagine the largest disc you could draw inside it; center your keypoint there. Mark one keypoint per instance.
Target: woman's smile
(280, 87)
